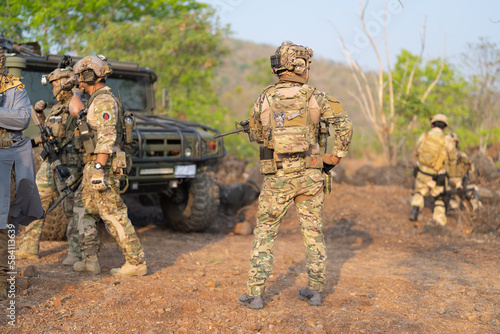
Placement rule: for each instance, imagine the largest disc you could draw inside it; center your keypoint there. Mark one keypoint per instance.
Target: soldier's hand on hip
(97, 181)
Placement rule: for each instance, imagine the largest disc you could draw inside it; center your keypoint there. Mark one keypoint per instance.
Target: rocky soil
(384, 276)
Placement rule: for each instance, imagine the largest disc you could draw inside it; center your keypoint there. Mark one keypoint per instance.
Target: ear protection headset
(88, 76)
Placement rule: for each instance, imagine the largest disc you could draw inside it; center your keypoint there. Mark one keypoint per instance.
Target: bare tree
(371, 95)
(483, 62)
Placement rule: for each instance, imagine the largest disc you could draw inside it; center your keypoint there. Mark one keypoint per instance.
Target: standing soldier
(62, 127)
(435, 152)
(461, 190)
(290, 120)
(20, 202)
(101, 130)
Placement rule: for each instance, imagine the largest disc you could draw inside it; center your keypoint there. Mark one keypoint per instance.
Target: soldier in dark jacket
(19, 199)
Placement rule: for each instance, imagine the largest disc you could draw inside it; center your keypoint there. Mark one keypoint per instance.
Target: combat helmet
(92, 69)
(439, 118)
(65, 78)
(292, 58)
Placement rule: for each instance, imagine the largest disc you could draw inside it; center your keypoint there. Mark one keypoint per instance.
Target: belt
(428, 174)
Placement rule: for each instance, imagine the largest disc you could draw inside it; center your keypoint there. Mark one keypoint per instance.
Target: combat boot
(90, 265)
(311, 296)
(253, 302)
(130, 270)
(414, 213)
(70, 260)
(22, 254)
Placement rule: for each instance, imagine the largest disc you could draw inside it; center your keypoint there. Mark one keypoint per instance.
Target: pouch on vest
(267, 163)
(129, 121)
(85, 136)
(121, 164)
(293, 165)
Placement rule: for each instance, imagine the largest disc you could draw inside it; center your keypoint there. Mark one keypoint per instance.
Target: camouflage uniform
(425, 182)
(107, 205)
(303, 186)
(49, 185)
(456, 173)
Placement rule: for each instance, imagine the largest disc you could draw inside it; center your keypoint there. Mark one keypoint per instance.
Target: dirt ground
(383, 276)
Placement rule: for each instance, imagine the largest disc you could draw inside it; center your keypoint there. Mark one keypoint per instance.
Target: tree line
(184, 43)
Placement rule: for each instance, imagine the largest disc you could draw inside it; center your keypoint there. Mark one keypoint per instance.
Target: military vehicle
(171, 158)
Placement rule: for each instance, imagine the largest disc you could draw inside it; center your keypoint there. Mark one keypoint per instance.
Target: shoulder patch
(105, 116)
(104, 112)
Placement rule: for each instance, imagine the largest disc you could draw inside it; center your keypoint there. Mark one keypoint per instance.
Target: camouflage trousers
(471, 199)
(108, 206)
(50, 188)
(305, 188)
(425, 186)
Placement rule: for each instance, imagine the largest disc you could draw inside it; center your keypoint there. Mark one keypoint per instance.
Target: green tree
(183, 49)
(482, 63)
(179, 39)
(60, 24)
(418, 96)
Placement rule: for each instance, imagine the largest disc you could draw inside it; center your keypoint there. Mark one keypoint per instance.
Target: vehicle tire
(55, 225)
(196, 209)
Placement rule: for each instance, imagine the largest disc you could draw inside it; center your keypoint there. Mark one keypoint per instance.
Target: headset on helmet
(65, 78)
(92, 68)
(291, 57)
(439, 118)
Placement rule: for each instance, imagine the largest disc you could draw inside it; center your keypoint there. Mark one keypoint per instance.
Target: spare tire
(193, 206)
(55, 225)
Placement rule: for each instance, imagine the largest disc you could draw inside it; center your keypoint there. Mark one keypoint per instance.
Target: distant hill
(238, 94)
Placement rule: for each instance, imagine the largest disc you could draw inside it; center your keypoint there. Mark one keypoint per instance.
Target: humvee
(171, 158)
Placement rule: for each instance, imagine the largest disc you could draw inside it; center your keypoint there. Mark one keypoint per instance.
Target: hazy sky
(449, 24)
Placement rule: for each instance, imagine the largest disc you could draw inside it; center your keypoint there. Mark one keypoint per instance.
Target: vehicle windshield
(131, 91)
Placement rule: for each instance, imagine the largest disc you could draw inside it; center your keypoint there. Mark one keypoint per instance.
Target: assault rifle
(71, 186)
(51, 149)
(9, 46)
(243, 126)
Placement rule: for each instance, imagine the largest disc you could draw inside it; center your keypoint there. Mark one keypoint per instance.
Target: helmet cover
(292, 58)
(97, 64)
(439, 117)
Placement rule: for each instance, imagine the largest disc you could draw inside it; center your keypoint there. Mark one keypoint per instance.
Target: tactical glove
(76, 91)
(97, 181)
(40, 106)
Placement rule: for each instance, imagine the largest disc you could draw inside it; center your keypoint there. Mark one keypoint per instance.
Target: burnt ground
(383, 276)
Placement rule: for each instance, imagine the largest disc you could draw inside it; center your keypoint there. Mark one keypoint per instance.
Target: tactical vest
(124, 126)
(430, 150)
(62, 126)
(290, 128)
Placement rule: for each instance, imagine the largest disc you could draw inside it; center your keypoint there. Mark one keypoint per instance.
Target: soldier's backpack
(291, 129)
(430, 150)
